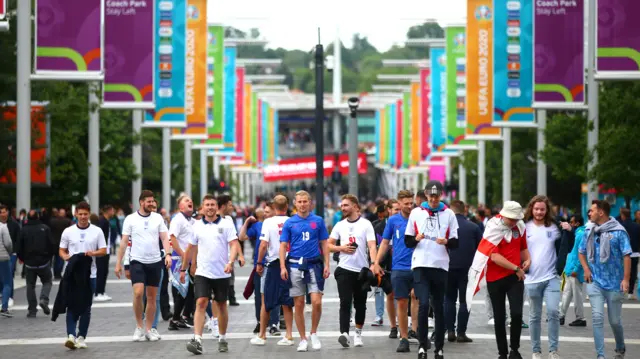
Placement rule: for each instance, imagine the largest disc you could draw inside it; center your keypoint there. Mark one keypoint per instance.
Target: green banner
(406, 129)
(215, 55)
(254, 128)
(456, 85)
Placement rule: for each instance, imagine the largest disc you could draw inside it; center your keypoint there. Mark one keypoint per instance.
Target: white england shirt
(81, 240)
(213, 239)
(271, 230)
(541, 242)
(440, 224)
(144, 233)
(182, 228)
(360, 232)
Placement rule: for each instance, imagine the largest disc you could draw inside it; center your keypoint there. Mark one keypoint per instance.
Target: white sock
(215, 321)
(421, 350)
(358, 331)
(198, 337)
(222, 337)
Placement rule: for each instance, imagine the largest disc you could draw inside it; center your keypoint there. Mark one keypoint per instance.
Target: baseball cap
(433, 187)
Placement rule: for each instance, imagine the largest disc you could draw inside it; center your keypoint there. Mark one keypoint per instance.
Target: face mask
(121, 218)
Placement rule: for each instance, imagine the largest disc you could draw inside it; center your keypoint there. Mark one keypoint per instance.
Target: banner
(438, 99)
(618, 39)
(416, 128)
(406, 129)
(276, 134)
(399, 133)
(379, 129)
(479, 102)
(196, 74)
(559, 54)
(40, 149)
(425, 121)
(128, 54)
(3, 9)
(68, 41)
(239, 103)
(247, 123)
(305, 167)
(513, 64)
(272, 137)
(170, 72)
(216, 52)
(260, 126)
(229, 128)
(456, 85)
(393, 134)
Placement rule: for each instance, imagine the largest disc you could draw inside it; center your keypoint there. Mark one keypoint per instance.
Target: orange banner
(196, 73)
(416, 129)
(247, 123)
(479, 101)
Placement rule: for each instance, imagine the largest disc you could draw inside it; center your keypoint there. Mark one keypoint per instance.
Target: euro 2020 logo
(483, 13)
(212, 39)
(442, 60)
(193, 13)
(458, 40)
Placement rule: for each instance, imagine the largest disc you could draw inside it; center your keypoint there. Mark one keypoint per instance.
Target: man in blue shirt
(401, 275)
(605, 257)
(305, 265)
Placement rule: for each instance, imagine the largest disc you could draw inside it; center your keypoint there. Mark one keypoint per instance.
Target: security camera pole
(353, 146)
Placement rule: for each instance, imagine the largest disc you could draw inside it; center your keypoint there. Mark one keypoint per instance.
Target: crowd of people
(426, 258)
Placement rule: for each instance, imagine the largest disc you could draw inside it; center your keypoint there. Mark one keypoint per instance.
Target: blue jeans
(548, 290)
(6, 279)
(144, 298)
(83, 318)
(379, 303)
(9, 279)
(274, 315)
(597, 297)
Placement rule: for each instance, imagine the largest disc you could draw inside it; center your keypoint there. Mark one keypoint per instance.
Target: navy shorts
(148, 274)
(402, 282)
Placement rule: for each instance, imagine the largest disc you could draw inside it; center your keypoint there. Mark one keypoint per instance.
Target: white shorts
(298, 285)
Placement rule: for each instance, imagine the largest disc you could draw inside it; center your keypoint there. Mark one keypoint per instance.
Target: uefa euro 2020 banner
(618, 40)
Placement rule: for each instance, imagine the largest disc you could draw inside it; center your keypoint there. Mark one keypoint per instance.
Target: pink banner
(425, 90)
(437, 173)
(239, 110)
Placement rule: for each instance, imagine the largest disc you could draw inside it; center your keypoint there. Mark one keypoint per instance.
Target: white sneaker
(153, 335)
(98, 298)
(491, 322)
(307, 308)
(285, 342)
(357, 341)
(70, 342)
(536, 356)
(80, 343)
(343, 339)
(258, 341)
(106, 297)
(431, 323)
(303, 346)
(315, 342)
(10, 302)
(554, 355)
(207, 325)
(215, 331)
(138, 335)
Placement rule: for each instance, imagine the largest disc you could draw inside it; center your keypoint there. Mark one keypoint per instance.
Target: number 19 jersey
(304, 236)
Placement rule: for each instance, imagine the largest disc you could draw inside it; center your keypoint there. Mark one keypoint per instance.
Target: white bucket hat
(512, 210)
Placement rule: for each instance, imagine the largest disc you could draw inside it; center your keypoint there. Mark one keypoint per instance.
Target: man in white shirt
(432, 229)
(216, 245)
(355, 234)
(225, 209)
(180, 232)
(144, 227)
(273, 291)
(83, 239)
(542, 281)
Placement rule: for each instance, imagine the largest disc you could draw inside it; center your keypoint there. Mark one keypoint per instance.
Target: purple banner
(618, 36)
(559, 53)
(129, 51)
(68, 39)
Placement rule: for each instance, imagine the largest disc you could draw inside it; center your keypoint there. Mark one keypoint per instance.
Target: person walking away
(102, 263)
(35, 248)
(6, 248)
(605, 255)
(384, 212)
(80, 245)
(574, 275)
(469, 236)
(633, 230)
(432, 229)
(14, 232)
(503, 256)
(58, 224)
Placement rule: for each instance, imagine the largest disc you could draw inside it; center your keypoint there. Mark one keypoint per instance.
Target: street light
(353, 103)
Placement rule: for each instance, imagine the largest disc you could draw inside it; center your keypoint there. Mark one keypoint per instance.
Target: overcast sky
(293, 24)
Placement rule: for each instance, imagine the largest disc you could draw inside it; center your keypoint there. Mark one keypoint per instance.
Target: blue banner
(276, 136)
(169, 65)
(229, 110)
(393, 119)
(378, 144)
(438, 99)
(513, 62)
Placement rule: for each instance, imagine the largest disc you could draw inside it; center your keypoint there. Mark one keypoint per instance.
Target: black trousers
(350, 292)
(512, 288)
(165, 307)
(634, 275)
(102, 266)
(430, 285)
(183, 306)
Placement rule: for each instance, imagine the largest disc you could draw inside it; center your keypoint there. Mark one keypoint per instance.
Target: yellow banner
(196, 73)
(247, 123)
(479, 113)
(416, 129)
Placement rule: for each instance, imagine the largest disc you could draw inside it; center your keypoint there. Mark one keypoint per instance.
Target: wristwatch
(183, 270)
(517, 269)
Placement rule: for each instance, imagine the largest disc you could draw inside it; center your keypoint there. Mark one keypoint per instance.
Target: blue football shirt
(304, 236)
(394, 232)
(254, 233)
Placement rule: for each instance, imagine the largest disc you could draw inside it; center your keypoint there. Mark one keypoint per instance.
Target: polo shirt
(213, 239)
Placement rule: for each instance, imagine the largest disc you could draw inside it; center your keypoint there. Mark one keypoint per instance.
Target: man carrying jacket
(35, 247)
(574, 275)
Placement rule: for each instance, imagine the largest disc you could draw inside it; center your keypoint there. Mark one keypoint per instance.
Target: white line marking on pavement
(127, 281)
(324, 300)
(245, 336)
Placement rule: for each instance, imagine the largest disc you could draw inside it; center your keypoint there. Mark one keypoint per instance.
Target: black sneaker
(463, 338)
(561, 320)
(451, 337)
(578, 323)
(180, 323)
(439, 354)
(393, 334)
(274, 331)
(223, 346)
(422, 354)
(173, 325)
(413, 335)
(45, 307)
(194, 346)
(31, 315)
(188, 322)
(403, 347)
(256, 330)
(166, 316)
(515, 355)
(502, 357)
(6, 313)
(233, 302)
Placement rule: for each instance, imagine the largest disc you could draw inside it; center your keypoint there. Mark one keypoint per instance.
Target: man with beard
(225, 208)
(391, 208)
